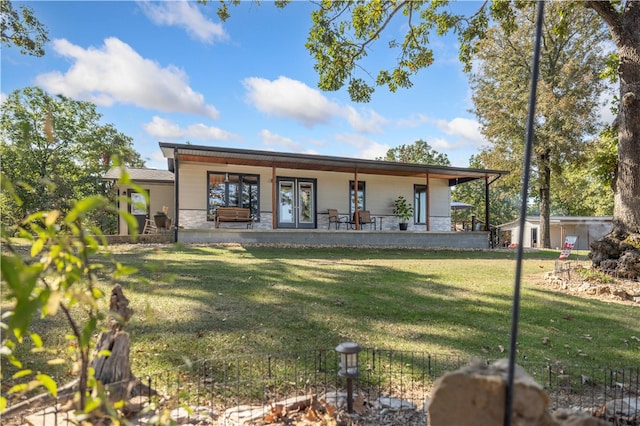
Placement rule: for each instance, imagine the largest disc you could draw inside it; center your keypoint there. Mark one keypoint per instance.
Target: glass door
(296, 203)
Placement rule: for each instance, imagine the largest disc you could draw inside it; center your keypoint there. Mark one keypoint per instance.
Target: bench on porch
(234, 214)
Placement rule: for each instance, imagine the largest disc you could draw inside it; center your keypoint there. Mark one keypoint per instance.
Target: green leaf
(22, 373)
(35, 338)
(105, 353)
(21, 319)
(52, 216)
(92, 404)
(48, 383)
(37, 247)
(123, 270)
(87, 331)
(17, 388)
(85, 206)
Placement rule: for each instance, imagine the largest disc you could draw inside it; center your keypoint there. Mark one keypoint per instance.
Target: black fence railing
(393, 387)
(249, 387)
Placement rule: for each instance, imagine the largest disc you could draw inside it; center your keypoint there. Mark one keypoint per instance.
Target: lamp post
(349, 367)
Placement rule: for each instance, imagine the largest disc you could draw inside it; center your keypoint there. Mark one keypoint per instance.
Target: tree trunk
(545, 203)
(115, 369)
(619, 251)
(626, 211)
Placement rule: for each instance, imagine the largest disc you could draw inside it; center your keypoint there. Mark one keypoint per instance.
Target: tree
(22, 29)
(419, 152)
(569, 88)
(503, 201)
(59, 277)
(55, 151)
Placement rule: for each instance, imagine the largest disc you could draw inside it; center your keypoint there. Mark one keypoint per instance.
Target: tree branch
(606, 11)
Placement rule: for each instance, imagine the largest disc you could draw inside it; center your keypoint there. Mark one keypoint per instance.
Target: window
(420, 204)
(361, 199)
(232, 190)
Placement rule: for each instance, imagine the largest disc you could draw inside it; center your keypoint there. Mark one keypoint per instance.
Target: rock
(395, 403)
(626, 407)
(193, 415)
(566, 417)
(476, 395)
(242, 414)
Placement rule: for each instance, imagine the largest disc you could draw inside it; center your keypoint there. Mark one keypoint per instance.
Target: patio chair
(365, 219)
(150, 227)
(335, 218)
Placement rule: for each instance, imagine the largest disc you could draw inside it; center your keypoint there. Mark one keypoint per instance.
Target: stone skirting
(347, 238)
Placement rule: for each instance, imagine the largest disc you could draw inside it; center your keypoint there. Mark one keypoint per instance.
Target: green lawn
(195, 302)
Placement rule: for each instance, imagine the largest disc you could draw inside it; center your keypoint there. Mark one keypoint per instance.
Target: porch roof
(222, 155)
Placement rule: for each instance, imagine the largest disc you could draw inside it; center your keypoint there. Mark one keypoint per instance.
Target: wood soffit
(189, 153)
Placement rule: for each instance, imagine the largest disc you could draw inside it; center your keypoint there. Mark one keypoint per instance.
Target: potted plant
(403, 211)
(161, 218)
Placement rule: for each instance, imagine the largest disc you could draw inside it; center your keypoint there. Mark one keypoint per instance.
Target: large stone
(475, 394)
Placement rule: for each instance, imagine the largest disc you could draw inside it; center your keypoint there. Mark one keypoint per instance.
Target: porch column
(428, 203)
(486, 202)
(274, 198)
(176, 194)
(356, 213)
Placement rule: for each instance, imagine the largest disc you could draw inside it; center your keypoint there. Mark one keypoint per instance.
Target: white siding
(332, 192)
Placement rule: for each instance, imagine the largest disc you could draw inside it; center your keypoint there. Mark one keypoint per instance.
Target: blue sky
(172, 71)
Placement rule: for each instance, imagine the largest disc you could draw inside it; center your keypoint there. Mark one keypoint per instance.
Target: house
(293, 192)
(586, 228)
(159, 186)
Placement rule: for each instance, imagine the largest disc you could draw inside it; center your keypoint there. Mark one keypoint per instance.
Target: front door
(296, 203)
(138, 208)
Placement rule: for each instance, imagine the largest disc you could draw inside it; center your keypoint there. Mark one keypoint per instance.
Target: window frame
(416, 203)
(234, 179)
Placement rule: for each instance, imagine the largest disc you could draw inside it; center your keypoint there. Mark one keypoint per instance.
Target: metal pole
(523, 213)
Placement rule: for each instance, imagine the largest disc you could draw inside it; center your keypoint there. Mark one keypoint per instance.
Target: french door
(296, 203)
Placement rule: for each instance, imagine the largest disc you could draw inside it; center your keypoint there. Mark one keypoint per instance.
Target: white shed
(586, 228)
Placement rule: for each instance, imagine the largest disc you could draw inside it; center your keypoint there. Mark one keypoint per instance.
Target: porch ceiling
(219, 155)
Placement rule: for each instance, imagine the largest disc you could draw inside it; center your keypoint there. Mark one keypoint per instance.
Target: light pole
(349, 367)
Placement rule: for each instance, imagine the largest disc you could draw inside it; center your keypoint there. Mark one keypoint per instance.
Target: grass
(196, 302)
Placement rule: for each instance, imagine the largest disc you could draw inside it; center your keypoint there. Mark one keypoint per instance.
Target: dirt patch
(578, 280)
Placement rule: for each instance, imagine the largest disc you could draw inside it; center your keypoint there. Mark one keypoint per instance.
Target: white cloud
(371, 124)
(463, 127)
(288, 98)
(116, 73)
(186, 15)
(415, 120)
(273, 141)
(161, 128)
(3, 97)
(367, 148)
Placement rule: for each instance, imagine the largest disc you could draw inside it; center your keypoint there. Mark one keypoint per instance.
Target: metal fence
(242, 388)
(392, 388)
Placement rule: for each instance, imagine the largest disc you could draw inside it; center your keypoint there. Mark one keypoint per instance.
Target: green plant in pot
(403, 211)
(161, 218)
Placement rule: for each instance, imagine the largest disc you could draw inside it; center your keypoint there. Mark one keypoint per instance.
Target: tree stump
(617, 253)
(115, 369)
